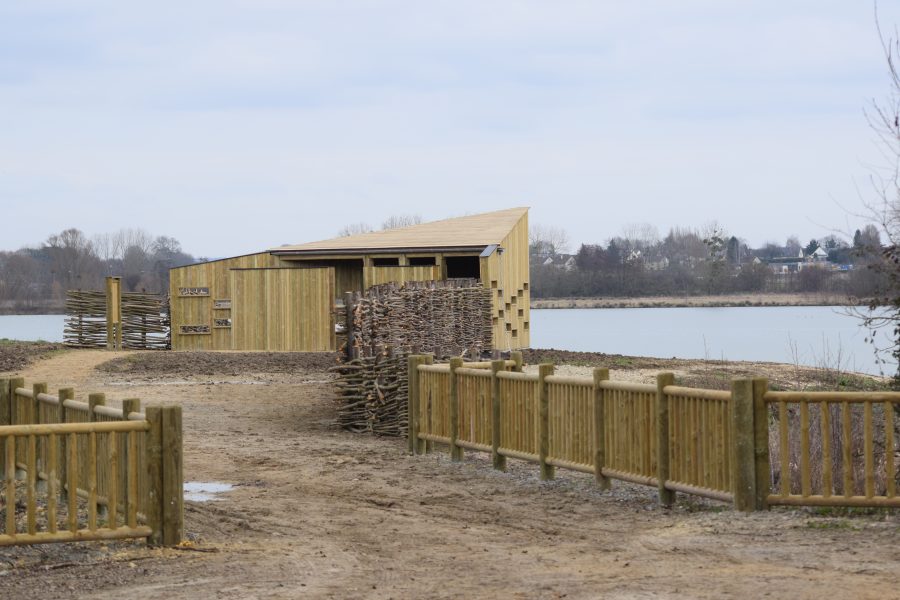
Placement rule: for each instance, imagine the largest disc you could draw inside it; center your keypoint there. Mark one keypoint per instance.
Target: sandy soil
(320, 513)
(683, 301)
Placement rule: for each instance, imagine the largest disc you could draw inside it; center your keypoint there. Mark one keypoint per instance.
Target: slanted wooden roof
(475, 231)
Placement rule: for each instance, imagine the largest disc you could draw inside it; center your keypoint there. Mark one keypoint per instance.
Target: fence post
(666, 496)
(5, 419)
(39, 463)
(35, 417)
(113, 313)
(547, 471)
(456, 452)
(426, 446)
(412, 407)
(95, 400)
(516, 356)
(16, 418)
(165, 510)
(61, 417)
(761, 442)
(153, 449)
(173, 477)
(129, 405)
(744, 482)
(600, 375)
(412, 398)
(498, 459)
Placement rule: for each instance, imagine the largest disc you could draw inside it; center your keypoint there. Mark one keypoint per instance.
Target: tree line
(36, 278)
(699, 261)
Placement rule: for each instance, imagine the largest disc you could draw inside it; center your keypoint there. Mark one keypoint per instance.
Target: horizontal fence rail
(830, 449)
(80, 471)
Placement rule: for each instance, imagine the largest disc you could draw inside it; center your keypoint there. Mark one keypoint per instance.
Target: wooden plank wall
(401, 274)
(198, 309)
(283, 310)
(348, 273)
(507, 275)
(348, 276)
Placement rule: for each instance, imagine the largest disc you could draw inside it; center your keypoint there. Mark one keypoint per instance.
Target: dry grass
(818, 434)
(695, 301)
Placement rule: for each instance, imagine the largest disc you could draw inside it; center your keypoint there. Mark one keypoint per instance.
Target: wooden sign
(193, 291)
(194, 329)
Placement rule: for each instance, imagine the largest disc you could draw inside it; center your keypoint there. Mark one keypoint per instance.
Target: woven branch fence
(387, 322)
(145, 321)
(443, 318)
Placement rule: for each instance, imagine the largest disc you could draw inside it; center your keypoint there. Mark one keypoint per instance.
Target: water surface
(32, 328)
(806, 335)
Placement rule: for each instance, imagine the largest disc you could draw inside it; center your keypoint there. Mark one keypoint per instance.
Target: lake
(814, 334)
(48, 328)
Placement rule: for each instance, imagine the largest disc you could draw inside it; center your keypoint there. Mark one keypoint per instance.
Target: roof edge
(364, 251)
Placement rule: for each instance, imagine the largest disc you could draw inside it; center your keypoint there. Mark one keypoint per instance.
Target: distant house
(566, 262)
(782, 265)
(818, 255)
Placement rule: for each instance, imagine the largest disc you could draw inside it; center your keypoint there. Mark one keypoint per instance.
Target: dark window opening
(463, 266)
(386, 262)
(422, 261)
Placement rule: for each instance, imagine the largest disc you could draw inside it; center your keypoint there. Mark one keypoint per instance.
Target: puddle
(205, 491)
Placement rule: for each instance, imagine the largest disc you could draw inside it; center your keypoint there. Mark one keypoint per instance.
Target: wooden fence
(87, 471)
(709, 443)
(116, 320)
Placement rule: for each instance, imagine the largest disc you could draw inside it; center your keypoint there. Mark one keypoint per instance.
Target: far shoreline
(708, 301)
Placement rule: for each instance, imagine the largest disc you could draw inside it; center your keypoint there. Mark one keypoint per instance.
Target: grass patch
(16, 355)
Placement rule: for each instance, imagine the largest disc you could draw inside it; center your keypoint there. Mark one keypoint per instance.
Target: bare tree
(548, 241)
(398, 221)
(884, 120)
(641, 236)
(792, 246)
(73, 263)
(354, 229)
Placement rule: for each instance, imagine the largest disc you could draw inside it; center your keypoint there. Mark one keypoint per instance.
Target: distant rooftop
(474, 231)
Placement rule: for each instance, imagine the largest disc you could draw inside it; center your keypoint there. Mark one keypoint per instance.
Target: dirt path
(317, 512)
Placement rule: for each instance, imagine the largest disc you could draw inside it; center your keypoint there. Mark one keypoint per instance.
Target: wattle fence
(748, 446)
(79, 471)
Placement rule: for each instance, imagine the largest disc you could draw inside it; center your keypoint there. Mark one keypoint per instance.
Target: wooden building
(282, 299)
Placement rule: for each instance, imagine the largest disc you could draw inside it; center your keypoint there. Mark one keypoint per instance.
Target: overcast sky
(238, 126)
